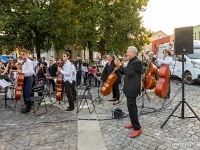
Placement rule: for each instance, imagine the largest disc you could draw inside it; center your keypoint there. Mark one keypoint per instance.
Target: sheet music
(4, 83)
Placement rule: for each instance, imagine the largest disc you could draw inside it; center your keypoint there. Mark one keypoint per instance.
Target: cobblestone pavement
(53, 130)
(176, 134)
(58, 129)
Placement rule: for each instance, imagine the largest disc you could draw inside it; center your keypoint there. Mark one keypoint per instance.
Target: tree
(105, 24)
(32, 24)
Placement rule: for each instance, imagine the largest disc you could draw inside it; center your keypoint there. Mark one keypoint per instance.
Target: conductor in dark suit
(132, 87)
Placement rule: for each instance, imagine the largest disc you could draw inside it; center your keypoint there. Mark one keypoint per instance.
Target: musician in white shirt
(67, 78)
(27, 70)
(167, 59)
(73, 80)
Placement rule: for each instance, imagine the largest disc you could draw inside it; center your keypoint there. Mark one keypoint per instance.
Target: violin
(59, 82)
(108, 85)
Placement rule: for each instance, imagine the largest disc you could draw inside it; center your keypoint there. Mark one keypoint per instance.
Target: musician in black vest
(132, 87)
(108, 69)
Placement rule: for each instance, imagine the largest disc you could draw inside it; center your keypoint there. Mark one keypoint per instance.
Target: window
(194, 36)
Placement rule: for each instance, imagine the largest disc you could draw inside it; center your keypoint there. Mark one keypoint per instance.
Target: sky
(166, 15)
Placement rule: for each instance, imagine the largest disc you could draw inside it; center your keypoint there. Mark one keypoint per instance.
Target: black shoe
(167, 97)
(24, 110)
(69, 109)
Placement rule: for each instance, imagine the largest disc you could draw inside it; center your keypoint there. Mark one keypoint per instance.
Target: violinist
(28, 71)
(108, 69)
(167, 59)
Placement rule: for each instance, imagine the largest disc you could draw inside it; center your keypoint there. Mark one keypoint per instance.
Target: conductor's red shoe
(135, 133)
(128, 126)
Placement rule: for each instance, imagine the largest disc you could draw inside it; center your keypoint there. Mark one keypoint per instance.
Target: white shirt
(74, 70)
(168, 60)
(27, 68)
(35, 63)
(104, 62)
(67, 72)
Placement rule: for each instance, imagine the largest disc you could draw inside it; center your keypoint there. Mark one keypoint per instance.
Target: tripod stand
(182, 102)
(98, 98)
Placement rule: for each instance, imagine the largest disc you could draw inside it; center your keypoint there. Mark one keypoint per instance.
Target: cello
(107, 87)
(20, 81)
(59, 82)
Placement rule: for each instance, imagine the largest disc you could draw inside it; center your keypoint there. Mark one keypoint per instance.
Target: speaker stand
(182, 102)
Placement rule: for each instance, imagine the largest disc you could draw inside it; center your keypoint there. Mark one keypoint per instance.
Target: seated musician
(167, 59)
(108, 69)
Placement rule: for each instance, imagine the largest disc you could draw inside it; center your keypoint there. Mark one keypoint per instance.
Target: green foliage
(102, 25)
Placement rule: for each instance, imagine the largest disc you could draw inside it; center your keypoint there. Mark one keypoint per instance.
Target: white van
(191, 63)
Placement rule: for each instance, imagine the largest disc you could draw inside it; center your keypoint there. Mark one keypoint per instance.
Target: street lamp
(129, 37)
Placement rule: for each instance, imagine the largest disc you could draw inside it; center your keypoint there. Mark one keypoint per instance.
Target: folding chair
(39, 99)
(83, 98)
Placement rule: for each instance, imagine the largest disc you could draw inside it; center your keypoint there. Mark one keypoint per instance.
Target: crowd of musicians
(72, 72)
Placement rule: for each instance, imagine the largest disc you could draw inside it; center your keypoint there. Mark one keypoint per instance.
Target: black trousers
(68, 90)
(85, 77)
(78, 77)
(74, 90)
(27, 89)
(115, 90)
(133, 112)
(53, 84)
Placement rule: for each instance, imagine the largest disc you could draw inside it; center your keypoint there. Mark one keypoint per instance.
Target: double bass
(59, 82)
(107, 87)
(149, 81)
(163, 84)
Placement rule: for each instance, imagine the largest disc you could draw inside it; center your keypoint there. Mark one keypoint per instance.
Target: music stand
(5, 86)
(98, 96)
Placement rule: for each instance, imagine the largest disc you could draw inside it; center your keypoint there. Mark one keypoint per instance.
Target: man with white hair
(132, 87)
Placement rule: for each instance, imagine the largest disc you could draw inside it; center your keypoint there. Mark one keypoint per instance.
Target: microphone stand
(98, 97)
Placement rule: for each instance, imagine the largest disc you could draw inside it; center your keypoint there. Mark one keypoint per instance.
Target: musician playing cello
(66, 70)
(108, 69)
(167, 59)
(28, 71)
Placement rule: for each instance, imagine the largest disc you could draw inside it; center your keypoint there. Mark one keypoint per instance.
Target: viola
(19, 85)
(149, 81)
(108, 85)
(59, 82)
(162, 86)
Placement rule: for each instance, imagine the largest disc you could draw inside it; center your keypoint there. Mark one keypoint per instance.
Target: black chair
(40, 99)
(83, 99)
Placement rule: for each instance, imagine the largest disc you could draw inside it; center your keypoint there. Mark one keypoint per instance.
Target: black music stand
(5, 93)
(98, 98)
